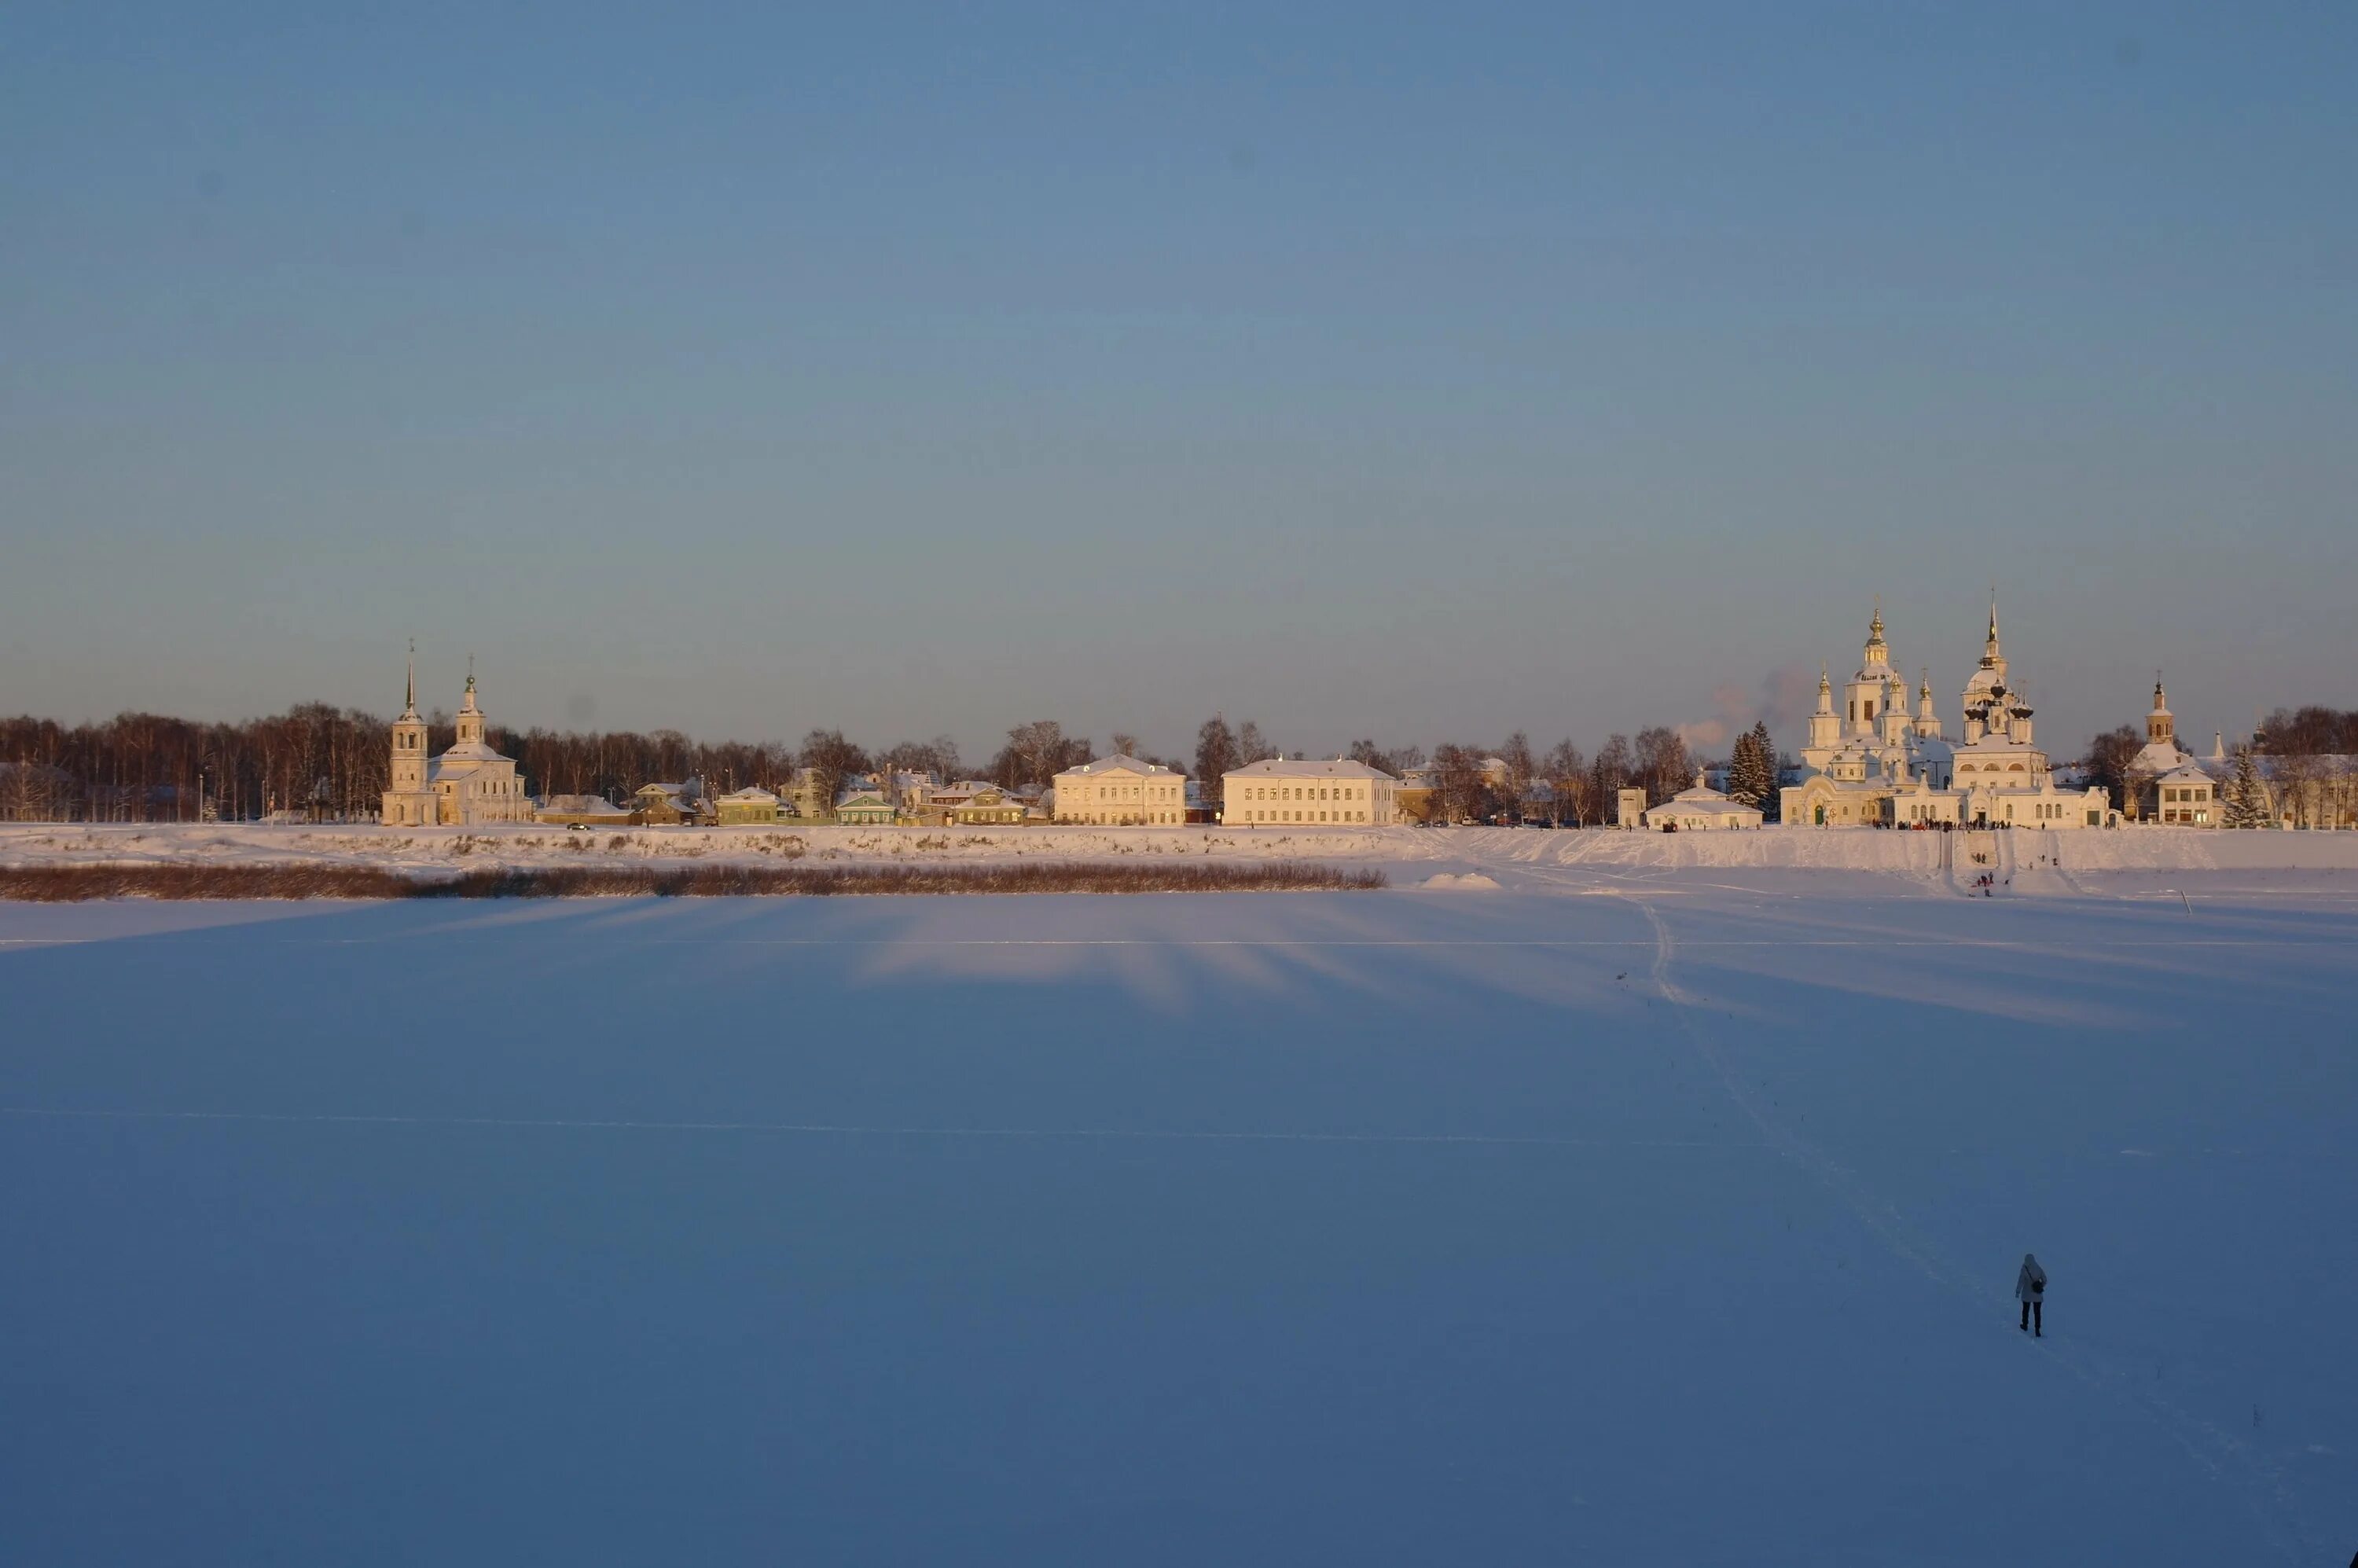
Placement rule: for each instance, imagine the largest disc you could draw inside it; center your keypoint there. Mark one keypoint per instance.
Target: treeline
(326, 763)
(2307, 732)
(147, 767)
(314, 761)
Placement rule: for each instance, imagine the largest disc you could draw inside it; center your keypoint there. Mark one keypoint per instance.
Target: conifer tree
(2246, 804)
(1743, 781)
(1772, 772)
(1749, 769)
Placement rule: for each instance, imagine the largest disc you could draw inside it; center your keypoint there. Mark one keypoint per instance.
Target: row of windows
(1257, 815)
(2192, 792)
(1301, 792)
(2193, 818)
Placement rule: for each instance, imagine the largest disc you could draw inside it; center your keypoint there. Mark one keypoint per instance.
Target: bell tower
(409, 738)
(1992, 659)
(1825, 724)
(2160, 725)
(471, 717)
(1868, 696)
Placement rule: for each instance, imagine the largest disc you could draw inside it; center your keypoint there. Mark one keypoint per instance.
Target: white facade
(1859, 755)
(468, 784)
(1700, 808)
(1303, 793)
(1121, 792)
(2187, 797)
(1874, 764)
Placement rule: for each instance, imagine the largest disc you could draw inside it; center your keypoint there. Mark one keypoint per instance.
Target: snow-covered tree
(1751, 767)
(2246, 802)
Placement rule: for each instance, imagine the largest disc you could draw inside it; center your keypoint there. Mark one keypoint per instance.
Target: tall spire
(409, 693)
(1991, 658)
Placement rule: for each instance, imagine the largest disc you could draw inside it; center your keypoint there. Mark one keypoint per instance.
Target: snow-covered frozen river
(1590, 1219)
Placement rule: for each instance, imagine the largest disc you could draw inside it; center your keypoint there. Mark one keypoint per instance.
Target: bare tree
(1523, 771)
(937, 757)
(2108, 763)
(1661, 763)
(1216, 755)
(1396, 761)
(1567, 771)
(831, 759)
(1460, 786)
(1609, 775)
(1036, 752)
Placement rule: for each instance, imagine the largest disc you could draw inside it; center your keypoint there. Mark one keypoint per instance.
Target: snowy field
(1655, 1204)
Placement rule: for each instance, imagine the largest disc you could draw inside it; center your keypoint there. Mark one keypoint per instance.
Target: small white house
(2187, 796)
(1700, 807)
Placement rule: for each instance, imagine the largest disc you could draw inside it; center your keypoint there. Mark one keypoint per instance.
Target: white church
(467, 785)
(1874, 764)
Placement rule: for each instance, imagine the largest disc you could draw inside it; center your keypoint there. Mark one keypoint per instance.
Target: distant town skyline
(1359, 372)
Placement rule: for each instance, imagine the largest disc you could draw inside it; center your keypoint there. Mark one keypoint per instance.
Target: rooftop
(1303, 768)
(1115, 764)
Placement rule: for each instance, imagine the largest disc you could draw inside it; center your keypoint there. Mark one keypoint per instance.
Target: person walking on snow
(2029, 1287)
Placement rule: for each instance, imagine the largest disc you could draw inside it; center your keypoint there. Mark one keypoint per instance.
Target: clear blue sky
(1421, 375)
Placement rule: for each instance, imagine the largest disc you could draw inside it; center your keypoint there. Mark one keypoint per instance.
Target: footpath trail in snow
(2222, 1456)
(1630, 1211)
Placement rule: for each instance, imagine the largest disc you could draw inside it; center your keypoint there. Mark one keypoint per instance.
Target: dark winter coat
(2030, 1285)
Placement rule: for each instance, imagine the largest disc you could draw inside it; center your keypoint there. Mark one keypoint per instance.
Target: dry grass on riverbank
(69, 884)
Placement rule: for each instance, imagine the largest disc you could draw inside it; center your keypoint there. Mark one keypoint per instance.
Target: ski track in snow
(2220, 1454)
(2224, 1457)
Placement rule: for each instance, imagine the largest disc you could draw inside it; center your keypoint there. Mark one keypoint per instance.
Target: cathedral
(468, 783)
(1874, 764)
